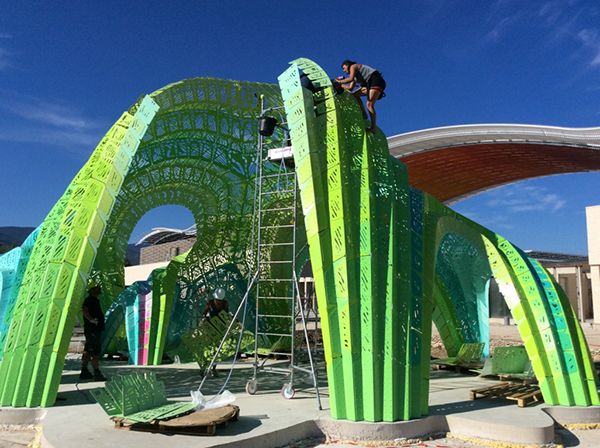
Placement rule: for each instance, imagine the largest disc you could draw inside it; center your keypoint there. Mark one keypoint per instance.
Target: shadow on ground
(180, 381)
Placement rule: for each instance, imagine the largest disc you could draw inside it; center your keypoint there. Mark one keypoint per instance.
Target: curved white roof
(429, 139)
(160, 235)
(455, 162)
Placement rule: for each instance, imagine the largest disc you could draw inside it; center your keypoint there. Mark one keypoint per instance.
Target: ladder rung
(276, 279)
(275, 334)
(276, 191)
(276, 244)
(285, 173)
(265, 210)
(277, 227)
(275, 262)
(302, 369)
(276, 316)
(275, 298)
(277, 369)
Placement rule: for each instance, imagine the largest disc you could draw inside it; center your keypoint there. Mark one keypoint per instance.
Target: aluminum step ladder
(280, 310)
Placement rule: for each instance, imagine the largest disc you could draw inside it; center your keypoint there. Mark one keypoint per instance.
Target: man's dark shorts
(376, 82)
(93, 342)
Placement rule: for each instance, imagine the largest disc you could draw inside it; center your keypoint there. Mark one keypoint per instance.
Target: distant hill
(11, 237)
(14, 235)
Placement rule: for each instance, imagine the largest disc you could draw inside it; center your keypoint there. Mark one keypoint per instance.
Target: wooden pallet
(457, 367)
(194, 423)
(517, 379)
(523, 394)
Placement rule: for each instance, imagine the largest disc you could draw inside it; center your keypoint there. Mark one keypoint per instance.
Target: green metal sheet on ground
(138, 398)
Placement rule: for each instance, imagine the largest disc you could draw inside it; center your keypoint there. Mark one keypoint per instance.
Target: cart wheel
(252, 387)
(287, 391)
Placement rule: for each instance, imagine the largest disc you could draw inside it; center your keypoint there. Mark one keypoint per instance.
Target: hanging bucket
(266, 126)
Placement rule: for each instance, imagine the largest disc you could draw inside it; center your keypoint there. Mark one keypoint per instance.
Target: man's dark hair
(348, 62)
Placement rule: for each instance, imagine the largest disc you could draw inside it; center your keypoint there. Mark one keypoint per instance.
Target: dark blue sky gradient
(69, 69)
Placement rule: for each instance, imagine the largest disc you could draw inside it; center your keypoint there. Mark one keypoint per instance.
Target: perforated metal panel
(389, 259)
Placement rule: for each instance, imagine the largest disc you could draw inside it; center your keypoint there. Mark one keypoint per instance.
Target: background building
(572, 272)
(593, 224)
(578, 275)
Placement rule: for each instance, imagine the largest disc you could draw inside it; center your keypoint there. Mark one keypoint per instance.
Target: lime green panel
(55, 273)
(358, 248)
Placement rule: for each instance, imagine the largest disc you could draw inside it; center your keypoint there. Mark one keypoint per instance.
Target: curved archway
(548, 327)
(72, 234)
(539, 311)
(378, 293)
(463, 268)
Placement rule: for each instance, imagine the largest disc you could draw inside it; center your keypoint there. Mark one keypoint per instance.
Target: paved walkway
(268, 420)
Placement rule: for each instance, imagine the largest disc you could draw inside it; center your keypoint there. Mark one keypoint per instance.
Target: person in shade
(211, 311)
(215, 305)
(93, 326)
(371, 85)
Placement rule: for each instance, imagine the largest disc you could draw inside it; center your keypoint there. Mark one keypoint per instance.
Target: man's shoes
(98, 376)
(85, 375)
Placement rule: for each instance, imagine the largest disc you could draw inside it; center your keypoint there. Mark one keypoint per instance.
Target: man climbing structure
(372, 85)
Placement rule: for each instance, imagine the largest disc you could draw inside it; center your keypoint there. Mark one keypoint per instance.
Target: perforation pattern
(374, 242)
(373, 239)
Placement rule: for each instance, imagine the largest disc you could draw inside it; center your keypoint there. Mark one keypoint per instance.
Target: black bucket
(307, 83)
(266, 126)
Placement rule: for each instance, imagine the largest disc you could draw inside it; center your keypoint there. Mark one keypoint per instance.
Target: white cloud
(51, 113)
(26, 119)
(503, 27)
(495, 221)
(48, 136)
(5, 59)
(48, 113)
(574, 21)
(520, 199)
(499, 221)
(552, 12)
(591, 40)
(570, 22)
(506, 208)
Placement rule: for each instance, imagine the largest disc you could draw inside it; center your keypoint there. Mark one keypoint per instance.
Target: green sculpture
(192, 143)
(374, 242)
(388, 260)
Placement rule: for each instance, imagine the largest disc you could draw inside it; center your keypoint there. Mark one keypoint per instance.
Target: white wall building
(579, 276)
(593, 223)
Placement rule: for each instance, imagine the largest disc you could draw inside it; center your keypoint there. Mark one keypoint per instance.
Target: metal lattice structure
(139, 308)
(193, 144)
(374, 242)
(388, 260)
(12, 269)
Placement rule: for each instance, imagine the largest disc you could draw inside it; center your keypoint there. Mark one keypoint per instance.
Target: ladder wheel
(252, 387)
(287, 391)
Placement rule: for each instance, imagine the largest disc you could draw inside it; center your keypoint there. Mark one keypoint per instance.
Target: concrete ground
(268, 420)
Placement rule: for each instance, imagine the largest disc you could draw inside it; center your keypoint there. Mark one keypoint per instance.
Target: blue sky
(69, 69)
